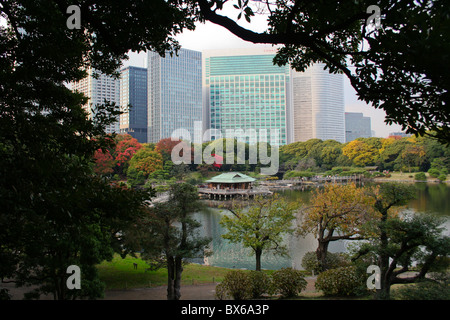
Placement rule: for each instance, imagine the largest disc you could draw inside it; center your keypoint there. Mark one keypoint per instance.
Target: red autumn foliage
(125, 149)
(104, 162)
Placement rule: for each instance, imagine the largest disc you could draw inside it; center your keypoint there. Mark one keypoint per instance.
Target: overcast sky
(210, 36)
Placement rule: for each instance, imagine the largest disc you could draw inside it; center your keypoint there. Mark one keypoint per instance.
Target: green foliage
(236, 284)
(135, 178)
(342, 281)
(168, 234)
(288, 282)
(434, 173)
(260, 283)
(262, 226)
(333, 260)
(434, 289)
(420, 176)
(298, 174)
(442, 177)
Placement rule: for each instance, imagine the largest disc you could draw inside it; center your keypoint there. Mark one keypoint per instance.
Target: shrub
(442, 177)
(299, 174)
(420, 176)
(260, 283)
(236, 284)
(426, 290)
(288, 282)
(434, 173)
(341, 281)
(333, 260)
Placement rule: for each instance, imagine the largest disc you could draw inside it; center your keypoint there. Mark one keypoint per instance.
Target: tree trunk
(383, 262)
(321, 253)
(177, 282)
(258, 253)
(170, 278)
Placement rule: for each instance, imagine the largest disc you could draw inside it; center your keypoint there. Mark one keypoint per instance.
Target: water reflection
(434, 199)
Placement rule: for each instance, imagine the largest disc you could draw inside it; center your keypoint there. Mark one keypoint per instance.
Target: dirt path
(191, 292)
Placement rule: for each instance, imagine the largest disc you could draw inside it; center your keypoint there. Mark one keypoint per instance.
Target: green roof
(231, 177)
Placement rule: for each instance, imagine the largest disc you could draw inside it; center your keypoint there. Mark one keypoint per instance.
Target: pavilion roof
(231, 177)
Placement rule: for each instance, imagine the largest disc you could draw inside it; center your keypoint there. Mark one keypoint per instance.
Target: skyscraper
(174, 93)
(98, 90)
(133, 93)
(357, 126)
(243, 89)
(318, 105)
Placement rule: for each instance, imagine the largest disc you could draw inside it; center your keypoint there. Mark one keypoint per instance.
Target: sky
(210, 36)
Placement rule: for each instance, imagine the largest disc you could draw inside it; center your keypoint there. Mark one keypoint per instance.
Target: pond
(431, 199)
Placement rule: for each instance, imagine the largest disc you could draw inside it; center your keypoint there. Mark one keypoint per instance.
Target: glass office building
(244, 90)
(133, 102)
(357, 126)
(174, 93)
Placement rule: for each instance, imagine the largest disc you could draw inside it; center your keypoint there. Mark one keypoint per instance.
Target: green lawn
(120, 274)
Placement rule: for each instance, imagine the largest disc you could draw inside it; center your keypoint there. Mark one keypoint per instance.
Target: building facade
(133, 103)
(244, 90)
(174, 93)
(98, 89)
(357, 126)
(317, 105)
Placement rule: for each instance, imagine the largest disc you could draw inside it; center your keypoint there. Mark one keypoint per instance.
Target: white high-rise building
(317, 105)
(98, 90)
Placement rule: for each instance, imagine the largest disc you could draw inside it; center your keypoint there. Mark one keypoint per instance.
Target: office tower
(133, 102)
(318, 105)
(243, 89)
(174, 93)
(98, 89)
(357, 126)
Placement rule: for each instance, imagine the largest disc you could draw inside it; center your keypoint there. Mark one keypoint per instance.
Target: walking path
(191, 292)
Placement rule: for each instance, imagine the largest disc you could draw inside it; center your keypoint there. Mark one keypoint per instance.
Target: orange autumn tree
(146, 161)
(337, 212)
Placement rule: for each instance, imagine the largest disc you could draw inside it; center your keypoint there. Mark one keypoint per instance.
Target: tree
(361, 153)
(165, 147)
(54, 211)
(104, 162)
(170, 231)
(414, 239)
(146, 161)
(261, 226)
(337, 212)
(126, 147)
(412, 90)
(387, 196)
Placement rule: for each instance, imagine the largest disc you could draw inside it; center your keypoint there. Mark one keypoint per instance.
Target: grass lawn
(120, 274)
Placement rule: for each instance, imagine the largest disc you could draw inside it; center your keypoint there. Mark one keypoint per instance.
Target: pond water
(431, 199)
